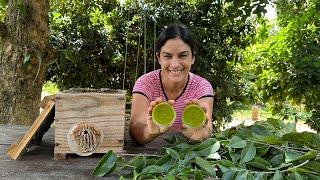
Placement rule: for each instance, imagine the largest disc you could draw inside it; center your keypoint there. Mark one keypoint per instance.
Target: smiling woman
(173, 83)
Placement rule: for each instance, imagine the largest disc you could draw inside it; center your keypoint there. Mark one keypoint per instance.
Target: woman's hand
(142, 129)
(153, 128)
(201, 133)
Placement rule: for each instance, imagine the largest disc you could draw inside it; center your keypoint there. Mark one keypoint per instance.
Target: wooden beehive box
(89, 121)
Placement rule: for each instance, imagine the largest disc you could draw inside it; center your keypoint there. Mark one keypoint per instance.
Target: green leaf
(244, 175)
(307, 156)
(138, 162)
(277, 176)
(69, 55)
(271, 140)
(26, 58)
(190, 155)
(304, 171)
(276, 123)
(312, 166)
(261, 161)
(226, 134)
(205, 148)
(248, 153)
(182, 178)
(105, 165)
(277, 160)
(260, 176)
(153, 169)
(163, 160)
(169, 176)
(262, 149)
(229, 175)
(198, 175)
(288, 128)
(256, 165)
(291, 156)
(244, 133)
(303, 138)
(313, 177)
(234, 155)
(215, 155)
(172, 153)
(259, 130)
(237, 142)
(208, 143)
(225, 165)
(295, 176)
(185, 171)
(213, 152)
(215, 147)
(182, 146)
(206, 166)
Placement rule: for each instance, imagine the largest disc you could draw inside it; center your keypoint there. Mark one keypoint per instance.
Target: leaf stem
(271, 172)
(147, 155)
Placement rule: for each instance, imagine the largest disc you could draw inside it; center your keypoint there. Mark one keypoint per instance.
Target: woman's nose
(175, 62)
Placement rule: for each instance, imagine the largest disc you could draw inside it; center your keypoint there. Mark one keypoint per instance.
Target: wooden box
(89, 121)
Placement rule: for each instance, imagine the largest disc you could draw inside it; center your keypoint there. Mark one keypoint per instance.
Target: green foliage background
(282, 68)
(247, 59)
(97, 41)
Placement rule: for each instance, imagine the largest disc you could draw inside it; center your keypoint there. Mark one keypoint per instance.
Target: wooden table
(37, 162)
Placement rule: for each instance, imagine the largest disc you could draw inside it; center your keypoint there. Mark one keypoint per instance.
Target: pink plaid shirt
(150, 85)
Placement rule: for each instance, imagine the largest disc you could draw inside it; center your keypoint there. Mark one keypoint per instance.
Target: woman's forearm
(200, 134)
(139, 133)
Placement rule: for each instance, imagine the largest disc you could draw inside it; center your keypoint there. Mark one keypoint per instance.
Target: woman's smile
(175, 71)
(175, 59)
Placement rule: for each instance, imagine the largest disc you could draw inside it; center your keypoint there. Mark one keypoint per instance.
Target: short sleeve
(143, 86)
(204, 89)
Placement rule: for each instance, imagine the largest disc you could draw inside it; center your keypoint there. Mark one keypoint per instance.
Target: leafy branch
(244, 153)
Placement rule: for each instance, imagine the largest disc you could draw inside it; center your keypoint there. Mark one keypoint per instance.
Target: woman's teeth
(175, 71)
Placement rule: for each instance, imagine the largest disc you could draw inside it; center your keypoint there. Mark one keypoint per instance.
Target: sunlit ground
(244, 116)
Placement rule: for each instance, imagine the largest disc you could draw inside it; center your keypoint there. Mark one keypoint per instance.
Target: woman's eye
(183, 56)
(167, 57)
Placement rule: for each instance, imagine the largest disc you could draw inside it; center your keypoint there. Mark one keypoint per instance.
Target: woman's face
(175, 59)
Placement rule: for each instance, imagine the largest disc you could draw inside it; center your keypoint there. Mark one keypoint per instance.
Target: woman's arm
(142, 129)
(204, 132)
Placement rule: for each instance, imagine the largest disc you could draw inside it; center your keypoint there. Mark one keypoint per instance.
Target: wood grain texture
(105, 110)
(16, 148)
(38, 161)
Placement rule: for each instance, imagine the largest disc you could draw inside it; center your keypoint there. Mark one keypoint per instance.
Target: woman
(175, 51)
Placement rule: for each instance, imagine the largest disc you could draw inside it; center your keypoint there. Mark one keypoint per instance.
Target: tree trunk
(23, 60)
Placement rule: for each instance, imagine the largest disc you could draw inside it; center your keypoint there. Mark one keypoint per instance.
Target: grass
(244, 113)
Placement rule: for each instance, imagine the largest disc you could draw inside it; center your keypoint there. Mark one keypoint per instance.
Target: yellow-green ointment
(193, 116)
(163, 114)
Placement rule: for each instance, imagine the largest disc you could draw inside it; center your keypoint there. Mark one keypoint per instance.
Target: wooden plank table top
(37, 162)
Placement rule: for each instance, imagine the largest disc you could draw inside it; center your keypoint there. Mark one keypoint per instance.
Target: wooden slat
(16, 149)
(46, 99)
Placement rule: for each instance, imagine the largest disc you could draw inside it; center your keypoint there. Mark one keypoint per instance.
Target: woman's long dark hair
(174, 31)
